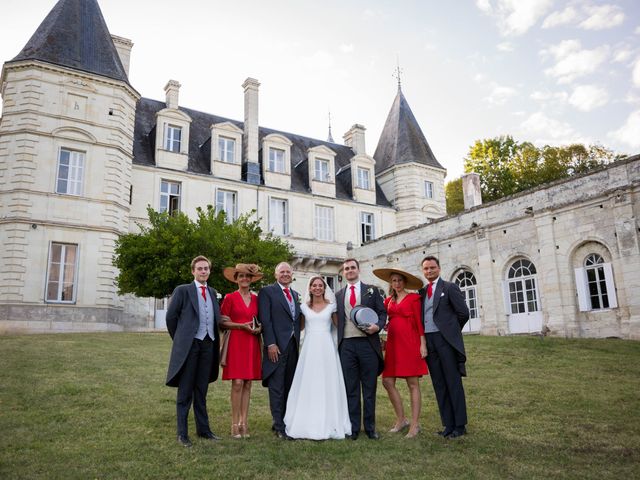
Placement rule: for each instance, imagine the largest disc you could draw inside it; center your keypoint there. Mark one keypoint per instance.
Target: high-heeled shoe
(414, 433)
(243, 428)
(399, 427)
(235, 430)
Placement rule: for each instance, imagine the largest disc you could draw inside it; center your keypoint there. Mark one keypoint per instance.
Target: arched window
(523, 294)
(467, 283)
(594, 283)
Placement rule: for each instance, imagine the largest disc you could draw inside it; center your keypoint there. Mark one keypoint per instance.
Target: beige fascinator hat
(411, 281)
(231, 273)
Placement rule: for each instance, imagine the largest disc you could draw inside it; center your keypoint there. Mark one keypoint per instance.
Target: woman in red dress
(406, 346)
(243, 359)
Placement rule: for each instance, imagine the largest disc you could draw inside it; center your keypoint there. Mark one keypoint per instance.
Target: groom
(279, 312)
(360, 351)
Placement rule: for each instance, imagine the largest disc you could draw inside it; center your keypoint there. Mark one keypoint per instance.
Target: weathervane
(398, 73)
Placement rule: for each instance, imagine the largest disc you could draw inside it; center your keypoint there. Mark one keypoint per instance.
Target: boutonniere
(370, 291)
(298, 299)
(218, 295)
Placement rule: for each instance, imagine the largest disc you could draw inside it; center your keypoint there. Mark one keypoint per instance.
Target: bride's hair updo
(313, 279)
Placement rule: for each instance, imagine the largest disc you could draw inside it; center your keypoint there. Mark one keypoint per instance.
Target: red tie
(286, 292)
(430, 289)
(352, 297)
(204, 295)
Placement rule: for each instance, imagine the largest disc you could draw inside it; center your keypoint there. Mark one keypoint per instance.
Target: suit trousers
(193, 386)
(280, 383)
(360, 370)
(442, 361)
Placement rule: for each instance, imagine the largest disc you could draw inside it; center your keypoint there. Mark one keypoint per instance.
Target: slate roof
(200, 149)
(402, 140)
(75, 35)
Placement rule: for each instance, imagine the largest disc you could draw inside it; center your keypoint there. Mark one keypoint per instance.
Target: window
(61, 275)
(523, 295)
(467, 283)
(594, 282)
(70, 172)
(363, 178)
(367, 227)
(169, 197)
(172, 138)
(332, 281)
(226, 202)
(227, 148)
(321, 170)
(276, 160)
(428, 189)
(324, 223)
(278, 216)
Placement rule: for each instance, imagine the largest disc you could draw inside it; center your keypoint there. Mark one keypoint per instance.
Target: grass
(95, 406)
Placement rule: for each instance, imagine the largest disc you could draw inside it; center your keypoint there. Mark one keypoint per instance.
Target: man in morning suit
(360, 351)
(444, 313)
(192, 321)
(279, 312)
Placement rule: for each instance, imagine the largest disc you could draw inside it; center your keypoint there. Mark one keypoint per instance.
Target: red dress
(404, 329)
(243, 356)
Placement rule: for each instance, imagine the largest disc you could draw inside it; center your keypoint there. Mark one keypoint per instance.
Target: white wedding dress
(317, 404)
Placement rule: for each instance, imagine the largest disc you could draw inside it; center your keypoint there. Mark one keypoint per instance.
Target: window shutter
(584, 303)
(611, 287)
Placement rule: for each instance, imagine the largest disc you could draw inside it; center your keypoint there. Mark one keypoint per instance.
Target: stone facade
(556, 228)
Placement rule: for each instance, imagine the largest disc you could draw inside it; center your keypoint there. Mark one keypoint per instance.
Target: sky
(546, 71)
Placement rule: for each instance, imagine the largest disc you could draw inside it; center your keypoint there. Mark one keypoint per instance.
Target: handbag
(224, 347)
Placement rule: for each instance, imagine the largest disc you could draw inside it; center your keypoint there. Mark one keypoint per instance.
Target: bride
(317, 404)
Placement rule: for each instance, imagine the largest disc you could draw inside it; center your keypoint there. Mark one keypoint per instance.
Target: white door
(522, 298)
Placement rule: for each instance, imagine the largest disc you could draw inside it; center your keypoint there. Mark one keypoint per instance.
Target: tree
(153, 262)
(493, 159)
(454, 197)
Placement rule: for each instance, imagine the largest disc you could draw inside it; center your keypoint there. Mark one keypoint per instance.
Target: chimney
(172, 91)
(471, 190)
(123, 46)
(250, 165)
(354, 138)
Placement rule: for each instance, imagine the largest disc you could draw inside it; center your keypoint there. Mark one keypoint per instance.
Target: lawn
(95, 406)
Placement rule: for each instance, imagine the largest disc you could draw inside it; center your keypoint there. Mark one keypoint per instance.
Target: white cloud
(588, 97)
(541, 126)
(515, 17)
(500, 94)
(636, 73)
(479, 77)
(556, 97)
(629, 133)
(506, 47)
(637, 30)
(562, 17)
(346, 48)
(320, 60)
(601, 17)
(572, 61)
(622, 55)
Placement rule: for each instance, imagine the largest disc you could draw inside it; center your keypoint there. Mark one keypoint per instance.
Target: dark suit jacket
(277, 322)
(183, 320)
(450, 313)
(375, 302)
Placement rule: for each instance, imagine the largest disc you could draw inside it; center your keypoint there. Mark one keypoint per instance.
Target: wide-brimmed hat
(411, 281)
(248, 268)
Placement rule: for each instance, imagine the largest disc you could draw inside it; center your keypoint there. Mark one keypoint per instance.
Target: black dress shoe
(373, 435)
(458, 432)
(209, 436)
(184, 441)
(446, 432)
(282, 435)
(353, 436)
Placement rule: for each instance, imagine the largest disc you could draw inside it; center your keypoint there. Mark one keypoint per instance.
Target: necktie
(204, 295)
(430, 289)
(352, 296)
(288, 295)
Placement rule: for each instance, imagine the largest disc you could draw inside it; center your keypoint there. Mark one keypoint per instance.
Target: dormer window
(321, 172)
(364, 181)
(276, 160)
(227, 149)
(172, 138)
